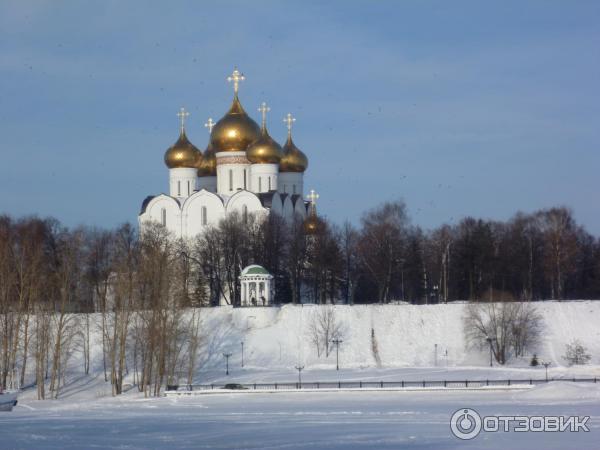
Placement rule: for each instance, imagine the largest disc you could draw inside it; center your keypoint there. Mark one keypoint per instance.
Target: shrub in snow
(576, 353)
(534, 361)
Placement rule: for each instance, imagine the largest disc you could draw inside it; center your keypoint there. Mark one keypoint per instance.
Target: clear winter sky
(461, 108)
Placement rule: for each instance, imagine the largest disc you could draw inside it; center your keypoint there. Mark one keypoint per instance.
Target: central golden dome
(235, 131)
(182, 154)
(264, 150)
(208, 165)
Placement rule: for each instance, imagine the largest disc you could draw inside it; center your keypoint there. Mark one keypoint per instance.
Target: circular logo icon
(465, 423)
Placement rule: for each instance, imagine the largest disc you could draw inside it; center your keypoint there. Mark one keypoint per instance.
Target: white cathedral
(242, 170)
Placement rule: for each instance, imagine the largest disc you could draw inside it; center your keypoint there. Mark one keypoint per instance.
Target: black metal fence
(372, 384)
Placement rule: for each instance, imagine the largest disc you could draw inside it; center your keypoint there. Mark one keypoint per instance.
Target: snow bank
(405, 335)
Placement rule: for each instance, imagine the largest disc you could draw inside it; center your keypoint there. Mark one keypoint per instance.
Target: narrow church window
(284, 188)
(188, 187)
(204, 217)
(245, 213)
(294, 189)
(179, 189)
(163, 217)
(259, 184)
(269, 183)
(244, 178)
(230, 180)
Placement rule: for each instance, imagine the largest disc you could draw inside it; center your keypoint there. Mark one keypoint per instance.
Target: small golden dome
(182, 154)
(235, 131)
(264, 150)
(208, 165)
(313, 225)
(293, 160)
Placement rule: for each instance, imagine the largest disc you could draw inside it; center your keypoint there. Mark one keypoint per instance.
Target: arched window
(204, 215)
(230, 180)
(244, 178)
(284, 188)
(188, 187)
(245, 213)
(259, 184)
(269, 183)
(294, 189)
(178, 188)
(163, 217)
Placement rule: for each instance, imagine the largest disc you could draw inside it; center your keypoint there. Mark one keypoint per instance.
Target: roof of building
(255, 269)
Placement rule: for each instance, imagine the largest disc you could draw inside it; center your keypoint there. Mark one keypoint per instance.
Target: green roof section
(255, 270)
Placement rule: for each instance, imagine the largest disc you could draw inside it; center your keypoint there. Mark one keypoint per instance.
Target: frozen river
(331, 420)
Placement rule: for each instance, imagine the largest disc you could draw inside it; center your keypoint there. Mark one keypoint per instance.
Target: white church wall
(291, 183)
(246, 199)
(164, 210)
(288, 208)
(277, 204)
(263, 177)
(199, 211)
(207, 183)
(182, 182)
(300, 208)
(233, 172)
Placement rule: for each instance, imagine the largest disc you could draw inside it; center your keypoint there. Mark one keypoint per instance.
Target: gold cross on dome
(264, 109)
(182, 114)
(236, 77)
(312, 197)
(289, 121)
(209, 124)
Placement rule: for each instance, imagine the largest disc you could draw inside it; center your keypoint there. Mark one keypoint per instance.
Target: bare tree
(381, 244)
(506, 327)
(323, 327)
(64, 326)
(559, 231)
(351, 261)
(576, 353)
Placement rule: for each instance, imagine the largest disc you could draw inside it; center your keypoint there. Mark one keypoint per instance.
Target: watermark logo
(466, 423)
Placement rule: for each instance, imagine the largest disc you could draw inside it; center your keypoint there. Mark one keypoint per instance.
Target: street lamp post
(337, 343)
(299, 369)
(435, 357)
(227, 355)
(546, 364)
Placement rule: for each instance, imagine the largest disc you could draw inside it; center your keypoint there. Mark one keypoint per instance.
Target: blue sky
(460, 108)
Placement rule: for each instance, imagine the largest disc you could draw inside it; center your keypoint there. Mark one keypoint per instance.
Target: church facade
(242, 170)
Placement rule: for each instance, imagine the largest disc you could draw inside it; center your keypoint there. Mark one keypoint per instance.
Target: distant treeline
(543, 255)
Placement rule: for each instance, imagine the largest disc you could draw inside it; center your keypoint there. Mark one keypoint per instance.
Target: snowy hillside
(404, 335)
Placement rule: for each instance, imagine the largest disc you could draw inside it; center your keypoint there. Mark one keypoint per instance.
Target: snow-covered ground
(322, 420)
(277, 339)
(405, 336)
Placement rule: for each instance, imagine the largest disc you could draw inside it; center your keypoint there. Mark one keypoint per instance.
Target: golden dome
(294, 160)
(182, 154)
(208, 165)
(264, 150)
(313, 225)
(235, 131)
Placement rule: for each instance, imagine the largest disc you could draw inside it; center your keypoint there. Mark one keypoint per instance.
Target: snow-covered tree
(576, 353)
